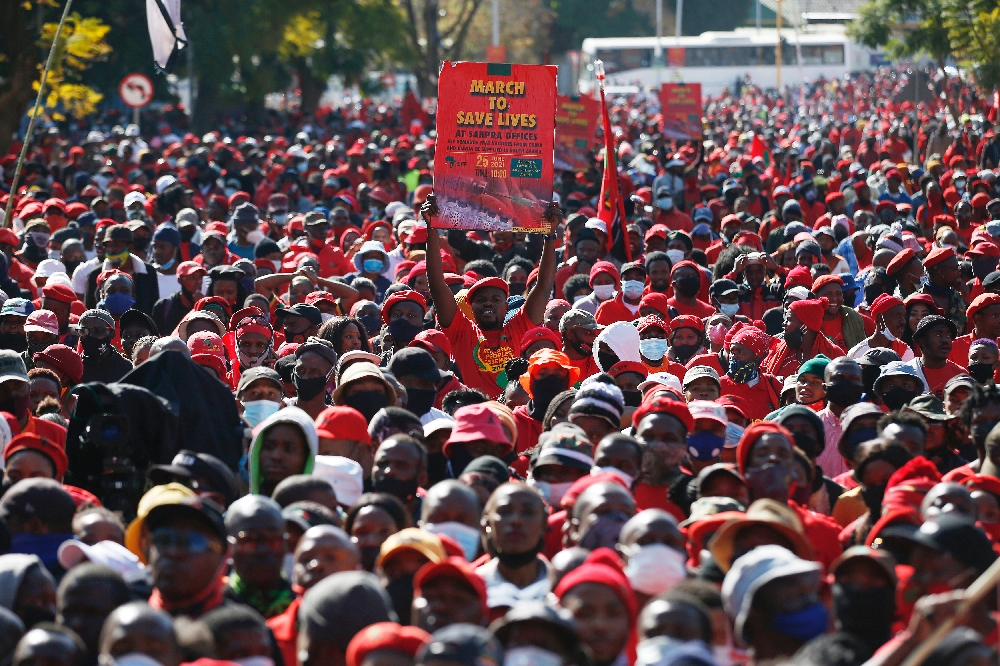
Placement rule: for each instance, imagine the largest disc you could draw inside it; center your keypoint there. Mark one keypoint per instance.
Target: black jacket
(107, 368)
(169, 311)
(145, 287)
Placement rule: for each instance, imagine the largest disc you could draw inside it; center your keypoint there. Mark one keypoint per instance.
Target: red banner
(495, 134)
(681, 110)
(576, 121)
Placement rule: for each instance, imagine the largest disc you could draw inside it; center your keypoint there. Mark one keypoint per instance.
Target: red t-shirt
(587, 365)
(700, 309)
(759, 400)
(833, 329)
(937, 378)
(614, 310)
(655, 497)
(482, 355)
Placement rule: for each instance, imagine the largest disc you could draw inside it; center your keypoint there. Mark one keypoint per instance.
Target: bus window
(620, 60)
(823, 54)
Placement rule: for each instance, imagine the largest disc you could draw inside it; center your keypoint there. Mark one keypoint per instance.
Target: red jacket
(614, 310)
(286, 631)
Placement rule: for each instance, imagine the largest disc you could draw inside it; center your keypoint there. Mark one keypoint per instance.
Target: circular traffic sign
(136, 90)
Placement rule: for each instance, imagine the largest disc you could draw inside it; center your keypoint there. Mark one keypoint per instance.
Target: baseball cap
(204, 510)
(664, 379)
(186, 268)
(18, 307)
(310, 312)
(343, 474)
(414, 361)
(12, 366)
(251, 375)
(706, 409)
(578, 319)
(170, 492)
(198, 466)
(425, 543)
(42, 321)
(699, 371)
(107, 553)
(464, 644)
(723, 287)
(342, 422)
(951, 535)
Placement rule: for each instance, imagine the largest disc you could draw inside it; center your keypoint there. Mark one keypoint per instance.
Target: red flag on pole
(758, 149)
(612, 211)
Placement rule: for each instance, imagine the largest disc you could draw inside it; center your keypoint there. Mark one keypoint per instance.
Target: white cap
(132, 130)
(107, 553)
(163, 182)
(706, 409)
(661, 379)
(443, 423)
(343, 474)
(47, 267)
(134, 197)
(59, 278)
(598, 224)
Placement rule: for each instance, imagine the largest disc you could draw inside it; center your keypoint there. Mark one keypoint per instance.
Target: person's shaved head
(49, 645)
(844, 365)
(135, 627)
(86, 595)
(598, 494)
(323, 550)
(169, 343)
(450, 500)
(652, 526)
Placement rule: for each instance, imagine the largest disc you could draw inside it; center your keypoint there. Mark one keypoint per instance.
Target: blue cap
(849, 281)
(87, 219)
(703, 214)
(167, 234)
(20, 307)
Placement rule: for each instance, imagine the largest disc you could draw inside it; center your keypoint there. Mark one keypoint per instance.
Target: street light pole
(496, 22)
(677, 20)
(777, 48)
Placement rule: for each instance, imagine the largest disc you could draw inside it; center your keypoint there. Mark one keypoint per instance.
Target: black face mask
(794, 339)
(459, 459)
(543, 391)
(807, 443)
(517, 560)
(844, 393)
(517, 288)
(869, 373)
(14, 341)
(33, 615)
(771, 481)
(367, 402)
(897, 398)
(685, 352)
(873, 496)
(633, 397)
(420, 401)
(71, 266)
(405, 491)
(873, 291)
(35, 346)
(368, 556)
(139, 244)
(437, 467)
(981, 372)
(688, 287)
(401, 593)
(307, 389)
(94, 347)
(402, 332)
(867, 614)
(371, 323)
(606, 360)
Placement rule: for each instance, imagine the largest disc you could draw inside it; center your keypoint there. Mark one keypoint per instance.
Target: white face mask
(255, 236)
(633, 288)
(655, 568)
(579, 297)
(277, 265)
(675, 256)
(256, 412)
(888, 336)
(55, 254)
(552, 493)
(603, 292)
(729, 309)
(627, 478)
(465, 536)
(530, 655)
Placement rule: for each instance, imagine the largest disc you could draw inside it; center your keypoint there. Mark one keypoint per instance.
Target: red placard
(576, 121)
(495, 134)
(681, 110)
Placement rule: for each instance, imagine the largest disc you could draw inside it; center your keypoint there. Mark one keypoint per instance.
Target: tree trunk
(312, 89)
(21, 62)
(208, 102)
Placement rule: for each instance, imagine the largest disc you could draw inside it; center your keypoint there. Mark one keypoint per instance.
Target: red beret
(946, 219)
(885, 205)
(435, 340)
(454, 568)
(980, 200)
(810, 312)
(858, 185)
(900, 261)
(658, 302)
(834, 196)
(937, 255)
(884, 303)
(687, 321)
(980, 302)
(540, 333)
(621, 367)
(603, 267)
(664, 405)
(33, 442)
(750, 436)
(59, 292)
(824, 280)
(586, 481)
(385, 636)
(64, 359)
(603, 567)
(494, 282)
(926, 299)
(399, 297)
(893, 173)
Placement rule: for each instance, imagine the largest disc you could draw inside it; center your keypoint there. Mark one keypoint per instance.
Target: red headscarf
(750, 436)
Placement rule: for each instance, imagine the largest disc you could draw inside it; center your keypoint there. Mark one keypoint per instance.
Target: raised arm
(538, 298)
(444, 300)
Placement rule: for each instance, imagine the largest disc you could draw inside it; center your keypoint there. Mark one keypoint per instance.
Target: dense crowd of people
(260, 407)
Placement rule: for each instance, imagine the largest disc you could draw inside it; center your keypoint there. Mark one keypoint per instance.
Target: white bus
(718, 59)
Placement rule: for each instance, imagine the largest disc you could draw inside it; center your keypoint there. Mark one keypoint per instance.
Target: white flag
(165, 30)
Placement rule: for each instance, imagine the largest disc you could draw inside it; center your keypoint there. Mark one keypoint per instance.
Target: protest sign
(495, 134)
(576, 120)
(681, 110)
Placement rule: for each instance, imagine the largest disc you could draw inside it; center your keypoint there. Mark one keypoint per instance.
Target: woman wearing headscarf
(803, 339)
(744, 377)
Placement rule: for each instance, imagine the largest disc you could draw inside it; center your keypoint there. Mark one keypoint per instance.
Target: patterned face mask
(743, 372)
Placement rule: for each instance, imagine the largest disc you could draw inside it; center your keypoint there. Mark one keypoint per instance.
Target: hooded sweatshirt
(292, 416)
(623, 338)
(13, 568)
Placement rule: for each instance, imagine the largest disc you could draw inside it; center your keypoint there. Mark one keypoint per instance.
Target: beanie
(810, 312)
(600, 399)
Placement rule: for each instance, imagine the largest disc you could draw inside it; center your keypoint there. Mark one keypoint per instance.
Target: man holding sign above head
(484, 342)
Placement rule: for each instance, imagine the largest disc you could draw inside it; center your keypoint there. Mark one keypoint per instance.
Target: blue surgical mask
(168, 265)
(734, 433)
(633, 288)
(256, 412)
(705, 445)
(729, 309)
(373, 265)
(653, 348)
(804, 624)
(118, 303)
(465, 536)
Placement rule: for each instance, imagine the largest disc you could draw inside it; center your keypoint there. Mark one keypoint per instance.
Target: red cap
(63, 359)
(984, 249)
(900, 261)
(664, 405)
(433, 340)
(214, 362)
(384, 636)
(34, 442)
(798, 277)
(980, 200)
(8, 237)
(980, 302)
(824, 280)
(586, 481)
(750, 436)
(658, 302)
(540, 333)
(494, 282)
(834, 196)
(926, 299)
(622, 367)
(206, 342)
(937, 255)
(810, 312)
(603, 267)
(474, 423)
(59, 292)
(454, 568)
(399, 297)
(687, 321)
(893, 173)
(341, 422)
(884, 303)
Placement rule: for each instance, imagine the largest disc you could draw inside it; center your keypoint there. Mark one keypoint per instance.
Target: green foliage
(974, 29)
(906, 28)
(80, 44)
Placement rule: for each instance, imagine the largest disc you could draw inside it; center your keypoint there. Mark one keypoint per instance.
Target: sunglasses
(194, 543)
